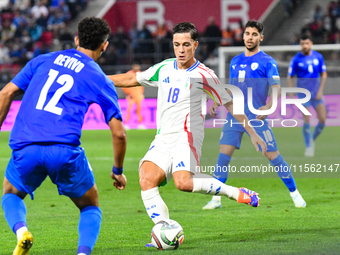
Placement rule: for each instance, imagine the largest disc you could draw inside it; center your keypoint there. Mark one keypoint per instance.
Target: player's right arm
(119, 148)
(128, 79)
(7, 95)
(291, 73)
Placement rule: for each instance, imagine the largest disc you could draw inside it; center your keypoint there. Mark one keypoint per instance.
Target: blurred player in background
(307, 65)
(176, 149)
(253, 68)
(134, 96)
(59, 87)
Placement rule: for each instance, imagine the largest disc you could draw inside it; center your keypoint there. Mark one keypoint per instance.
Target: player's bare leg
(15, 214)
(128, 111)
(139, 99)
(90, 198)
(322, 115)
(322, 112)
(90, 220)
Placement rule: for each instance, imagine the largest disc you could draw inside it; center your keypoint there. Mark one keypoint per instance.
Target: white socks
(294, 193)
(216, 198)
(204, 183)
(20, 232)
(154, 204)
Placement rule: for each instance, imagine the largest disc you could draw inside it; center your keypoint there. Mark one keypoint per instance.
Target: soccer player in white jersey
(176, 149)
(308, 65)
(254, 69)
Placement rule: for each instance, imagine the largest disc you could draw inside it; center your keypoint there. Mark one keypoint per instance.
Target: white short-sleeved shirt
(179, 101)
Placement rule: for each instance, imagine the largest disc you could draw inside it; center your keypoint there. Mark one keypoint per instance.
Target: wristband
(117, 171)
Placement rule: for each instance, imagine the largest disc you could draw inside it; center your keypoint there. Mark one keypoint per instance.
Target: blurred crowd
(143, 46)
(323, 25)
(31, 27)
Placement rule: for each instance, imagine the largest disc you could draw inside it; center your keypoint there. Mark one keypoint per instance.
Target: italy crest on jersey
(188, 85)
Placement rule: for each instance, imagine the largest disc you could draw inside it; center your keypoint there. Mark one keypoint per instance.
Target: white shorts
(175, 153)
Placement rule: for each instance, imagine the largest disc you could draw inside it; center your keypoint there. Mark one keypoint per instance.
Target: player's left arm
(319, 94)
(255, 138)
(273, 78)
(270, 102)
(119, 148)
(7, 95)
(323, 71)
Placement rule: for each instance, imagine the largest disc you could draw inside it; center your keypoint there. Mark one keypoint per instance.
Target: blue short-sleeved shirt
(258, 72)
(59, 87)
(307, 69)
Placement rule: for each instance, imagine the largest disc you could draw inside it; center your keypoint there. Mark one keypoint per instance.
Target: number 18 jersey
(180, 94)
(59, 87)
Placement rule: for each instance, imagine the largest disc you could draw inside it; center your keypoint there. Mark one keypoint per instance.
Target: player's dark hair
(92, 32)
(259, 26)
(306, 37)
(186, 27)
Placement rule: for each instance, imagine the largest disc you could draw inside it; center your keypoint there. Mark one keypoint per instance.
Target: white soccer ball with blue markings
(167, 235)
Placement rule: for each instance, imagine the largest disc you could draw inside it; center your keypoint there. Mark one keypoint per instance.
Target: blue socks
(221, 168)
(318, 129)
(89, 222)
(284, 172)
(306, 133)
(88, 228)
(15, 211)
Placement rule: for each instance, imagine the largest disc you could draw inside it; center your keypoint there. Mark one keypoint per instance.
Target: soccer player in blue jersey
(253, 68)
(59, 87)
(307, 65)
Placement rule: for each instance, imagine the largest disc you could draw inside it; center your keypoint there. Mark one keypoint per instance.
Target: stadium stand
(30, 28)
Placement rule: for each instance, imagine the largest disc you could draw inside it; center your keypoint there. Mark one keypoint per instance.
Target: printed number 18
(174, 96)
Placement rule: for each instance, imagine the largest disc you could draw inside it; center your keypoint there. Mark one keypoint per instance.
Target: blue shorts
(232, 134)
(66, 166)
(312, 102)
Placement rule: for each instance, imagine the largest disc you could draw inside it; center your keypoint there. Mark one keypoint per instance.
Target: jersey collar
(193, 67)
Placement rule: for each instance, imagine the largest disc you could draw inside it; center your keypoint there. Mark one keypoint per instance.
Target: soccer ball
(167, 235)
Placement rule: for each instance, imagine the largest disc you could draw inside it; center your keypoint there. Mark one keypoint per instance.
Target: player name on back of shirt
(69, 62)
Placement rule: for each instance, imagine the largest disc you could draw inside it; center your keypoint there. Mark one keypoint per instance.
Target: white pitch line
(258, 158)
(90, 158)
(203, 158)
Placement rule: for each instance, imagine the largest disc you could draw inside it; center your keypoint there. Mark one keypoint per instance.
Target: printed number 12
(65, 80)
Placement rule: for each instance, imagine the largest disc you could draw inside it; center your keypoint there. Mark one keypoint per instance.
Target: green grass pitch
(276, 227)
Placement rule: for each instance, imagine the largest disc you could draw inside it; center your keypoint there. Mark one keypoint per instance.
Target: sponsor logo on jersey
(243, 66)
(254, 66)
(181, 164)
(300, 64)
(167, 80)
(271, 144)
